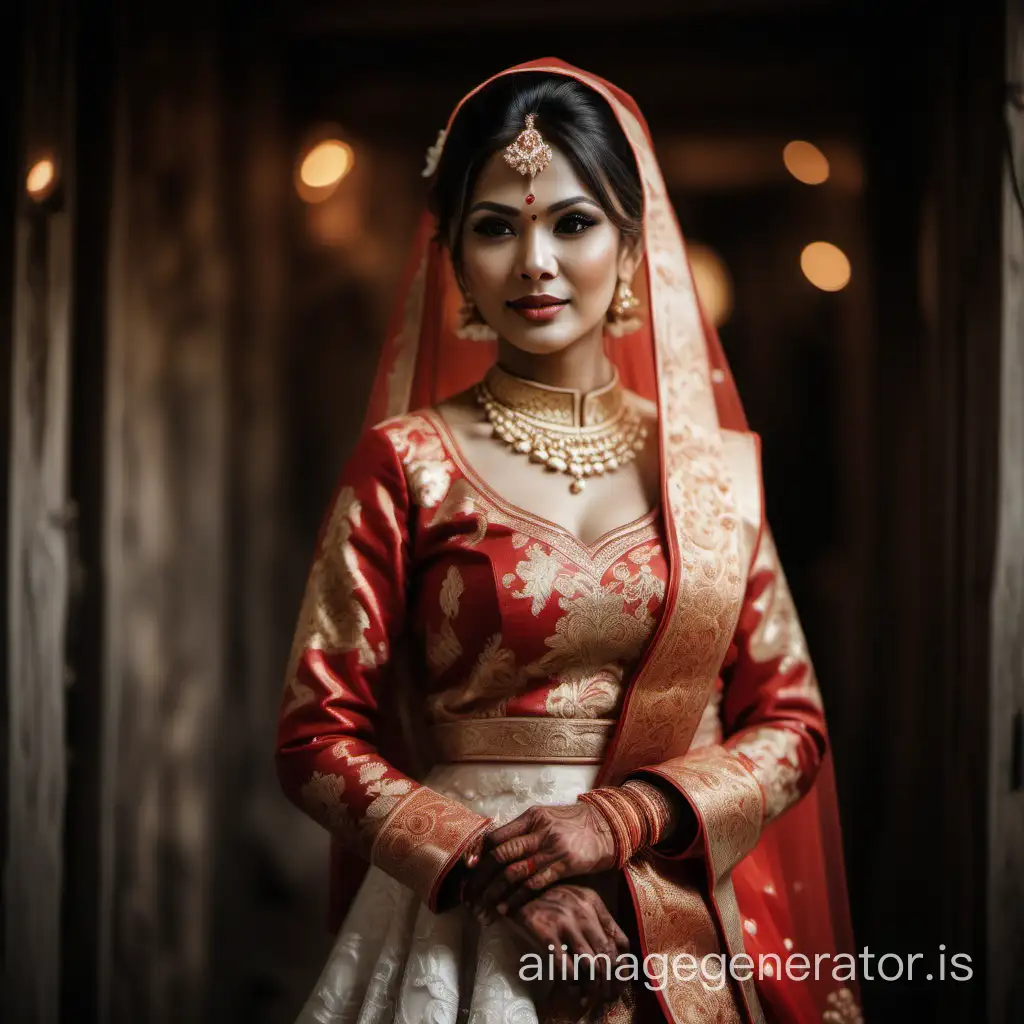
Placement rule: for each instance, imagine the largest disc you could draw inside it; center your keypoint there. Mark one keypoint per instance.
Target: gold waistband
(550, 740)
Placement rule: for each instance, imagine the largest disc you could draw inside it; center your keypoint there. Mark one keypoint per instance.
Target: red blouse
(515, 626)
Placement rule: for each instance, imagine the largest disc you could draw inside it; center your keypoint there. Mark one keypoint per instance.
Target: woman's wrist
(682, 827)
(452, 891)
(653, 804)
(640, 815)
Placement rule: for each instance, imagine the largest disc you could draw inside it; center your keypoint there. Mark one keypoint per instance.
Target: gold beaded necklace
(572, 432)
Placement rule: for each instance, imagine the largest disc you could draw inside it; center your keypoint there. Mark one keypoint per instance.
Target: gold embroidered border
(742, 454)
(548, 740)
(421, 837)
(730, 804)
(727, 798)
(675, 920)
(732, 926)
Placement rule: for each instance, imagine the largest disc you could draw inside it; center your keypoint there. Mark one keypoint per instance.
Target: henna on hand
(576, 916)
(544, 845)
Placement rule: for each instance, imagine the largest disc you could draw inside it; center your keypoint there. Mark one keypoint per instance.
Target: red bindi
(530, 198)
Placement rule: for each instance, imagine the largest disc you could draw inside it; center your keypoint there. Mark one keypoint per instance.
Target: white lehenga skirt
(395, 962)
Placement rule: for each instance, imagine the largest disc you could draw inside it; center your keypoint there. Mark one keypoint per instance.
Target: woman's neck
(582, 366)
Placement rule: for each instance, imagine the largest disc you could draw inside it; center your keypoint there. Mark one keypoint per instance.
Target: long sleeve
(772, 723)
(352, 611)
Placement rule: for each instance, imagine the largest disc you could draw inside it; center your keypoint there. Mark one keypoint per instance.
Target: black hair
(570, 116)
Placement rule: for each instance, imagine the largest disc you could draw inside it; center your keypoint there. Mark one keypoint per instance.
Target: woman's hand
(540, 847)
(577, 917)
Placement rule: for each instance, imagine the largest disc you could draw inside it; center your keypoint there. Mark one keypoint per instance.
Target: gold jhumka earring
(622, 316)
(472, 326)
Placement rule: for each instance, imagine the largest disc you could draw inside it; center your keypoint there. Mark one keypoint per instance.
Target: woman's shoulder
(412, 442)
(404, 433)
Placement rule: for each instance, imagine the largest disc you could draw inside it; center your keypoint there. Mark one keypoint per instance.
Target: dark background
(191, 349)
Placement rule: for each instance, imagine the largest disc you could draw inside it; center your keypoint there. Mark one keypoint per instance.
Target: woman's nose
(537, 261)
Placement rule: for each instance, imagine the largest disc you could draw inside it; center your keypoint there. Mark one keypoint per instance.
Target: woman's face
(541, 274)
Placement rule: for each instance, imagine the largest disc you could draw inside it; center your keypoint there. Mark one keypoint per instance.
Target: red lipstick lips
(538, 307)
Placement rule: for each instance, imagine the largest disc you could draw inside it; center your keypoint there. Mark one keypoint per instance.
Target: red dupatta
(711, 498)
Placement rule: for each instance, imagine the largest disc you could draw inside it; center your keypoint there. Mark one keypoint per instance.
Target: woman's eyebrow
(508, 211)
(511, 211)
(571, 201)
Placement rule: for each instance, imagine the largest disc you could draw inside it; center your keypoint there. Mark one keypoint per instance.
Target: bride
(548, 691)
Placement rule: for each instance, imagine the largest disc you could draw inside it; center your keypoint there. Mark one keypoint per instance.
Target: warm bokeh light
(825, 265)
(41, 178)
(713, 283)
(322, 168)
(806, 162)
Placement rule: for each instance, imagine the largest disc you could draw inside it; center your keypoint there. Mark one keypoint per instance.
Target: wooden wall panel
(41, 524)
(268, 940)
(166, 531)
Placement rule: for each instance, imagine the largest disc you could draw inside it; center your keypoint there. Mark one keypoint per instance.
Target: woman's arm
(773, 726)
(327, 756)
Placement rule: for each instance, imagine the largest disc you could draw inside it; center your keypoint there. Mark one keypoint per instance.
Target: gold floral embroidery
(428, 470)
(596, 696)
(596, 629)
(596, 637)
(443, 647)
(775, 753)
(451, 590)
(323, 797)
(428, 482)
(495, 678)
(645, 585)
(332, 617)
(843, 1008)
(326, 796)
(597, 634)
(538, 574)
(462, 500)
(778, 634)
(386, 794)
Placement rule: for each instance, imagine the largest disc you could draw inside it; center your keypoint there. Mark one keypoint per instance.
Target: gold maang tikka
(529, 154)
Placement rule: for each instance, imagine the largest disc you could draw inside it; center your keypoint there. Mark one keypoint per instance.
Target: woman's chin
(542, 339)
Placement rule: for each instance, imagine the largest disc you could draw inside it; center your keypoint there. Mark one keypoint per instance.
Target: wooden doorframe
(1005, 894)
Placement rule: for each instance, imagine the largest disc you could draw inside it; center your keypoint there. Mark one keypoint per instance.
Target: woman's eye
(574, 224)
(493, 227)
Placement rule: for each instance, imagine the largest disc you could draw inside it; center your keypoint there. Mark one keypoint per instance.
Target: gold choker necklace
(572, 432)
